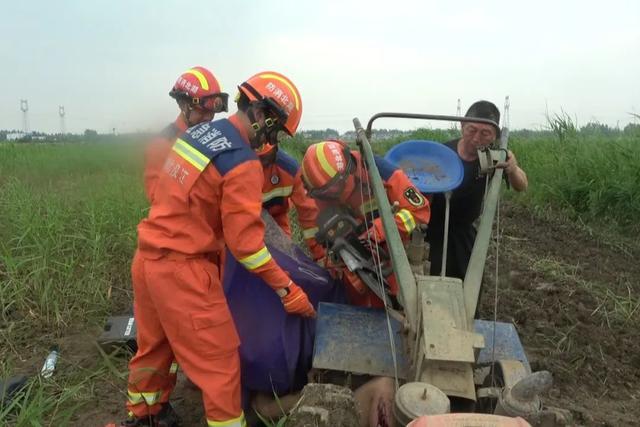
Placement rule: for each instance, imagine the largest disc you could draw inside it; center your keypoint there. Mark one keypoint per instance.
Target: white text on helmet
(187, 85)
(337, 156)
(280, 95)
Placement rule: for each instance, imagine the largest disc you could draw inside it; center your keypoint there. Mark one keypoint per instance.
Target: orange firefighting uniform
(207, 197)
(283, 187)
(156, 153)
(413, 209)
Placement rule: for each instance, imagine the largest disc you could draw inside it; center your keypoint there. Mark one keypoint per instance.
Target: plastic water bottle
(50, 363)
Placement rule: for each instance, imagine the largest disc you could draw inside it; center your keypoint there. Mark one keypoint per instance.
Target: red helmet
(200, 89)
(277, 93)
(326, 168)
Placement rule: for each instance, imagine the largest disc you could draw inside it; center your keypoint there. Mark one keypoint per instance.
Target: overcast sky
(112, 63)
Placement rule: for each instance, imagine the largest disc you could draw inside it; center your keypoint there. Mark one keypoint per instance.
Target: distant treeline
(559, 126)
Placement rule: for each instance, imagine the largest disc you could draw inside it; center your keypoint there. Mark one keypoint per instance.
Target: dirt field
(574, 300)
(572, 296)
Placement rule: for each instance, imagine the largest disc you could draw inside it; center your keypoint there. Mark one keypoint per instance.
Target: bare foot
(375, 402)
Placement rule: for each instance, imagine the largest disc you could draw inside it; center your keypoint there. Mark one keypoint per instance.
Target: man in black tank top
(466, 200)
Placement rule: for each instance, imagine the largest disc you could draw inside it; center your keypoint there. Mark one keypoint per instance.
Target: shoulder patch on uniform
(414, 197)
(286, 162)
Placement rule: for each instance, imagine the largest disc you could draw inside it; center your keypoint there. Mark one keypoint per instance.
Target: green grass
(68, 214)
(67, 232)
(592, 180)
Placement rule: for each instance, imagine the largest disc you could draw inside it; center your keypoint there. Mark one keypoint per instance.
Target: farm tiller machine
(449, 368)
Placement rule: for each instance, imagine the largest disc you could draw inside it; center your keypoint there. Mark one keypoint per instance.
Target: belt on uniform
(181, 256)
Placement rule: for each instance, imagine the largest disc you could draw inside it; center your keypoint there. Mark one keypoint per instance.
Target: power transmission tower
(24, 107)
(507, 119)
(61, 113)
(454, 125)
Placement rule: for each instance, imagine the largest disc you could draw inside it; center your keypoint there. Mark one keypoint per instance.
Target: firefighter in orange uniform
(282, 188)
(199, 97)
(208, 197)
(335, 175)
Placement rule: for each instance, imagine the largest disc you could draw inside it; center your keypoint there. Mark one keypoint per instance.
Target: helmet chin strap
(259, 131)
(186, 112)
(263, 134)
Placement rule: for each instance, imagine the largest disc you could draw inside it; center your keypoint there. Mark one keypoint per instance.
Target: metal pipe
(402, 268)
(427, 117)
(445, 243)
(475, 269)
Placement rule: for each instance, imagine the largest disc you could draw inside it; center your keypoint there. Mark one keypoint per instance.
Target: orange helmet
(277, 93)
(200, 89)
(326, 168)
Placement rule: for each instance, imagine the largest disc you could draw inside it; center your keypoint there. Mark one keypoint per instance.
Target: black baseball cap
(485, 110)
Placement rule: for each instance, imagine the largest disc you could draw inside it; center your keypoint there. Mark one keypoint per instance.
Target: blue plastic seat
(432, 166)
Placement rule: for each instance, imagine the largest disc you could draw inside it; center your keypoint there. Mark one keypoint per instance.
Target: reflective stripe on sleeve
(277, 192)
(257, 259)
(407, 219)
(191, 155)
(309, 233)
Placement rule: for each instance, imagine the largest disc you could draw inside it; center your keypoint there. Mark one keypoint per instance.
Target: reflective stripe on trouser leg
(149, 382)
(200, 329)
(234, 422)
(149, 398)
(171, 382)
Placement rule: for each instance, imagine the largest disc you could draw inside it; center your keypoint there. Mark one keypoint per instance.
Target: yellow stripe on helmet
(326, 166)
(201, 78)
(286, 82)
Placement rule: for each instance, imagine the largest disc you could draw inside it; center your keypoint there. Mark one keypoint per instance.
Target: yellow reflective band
(305, 178)
(256, 260)
(235, 422)
(174, 368)
(277, 192)
(287, 83)
(309, 232)
(201, 78)
(369, 206)
(323, 160)
(191, 155)
(149, 397)
(407, 220)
